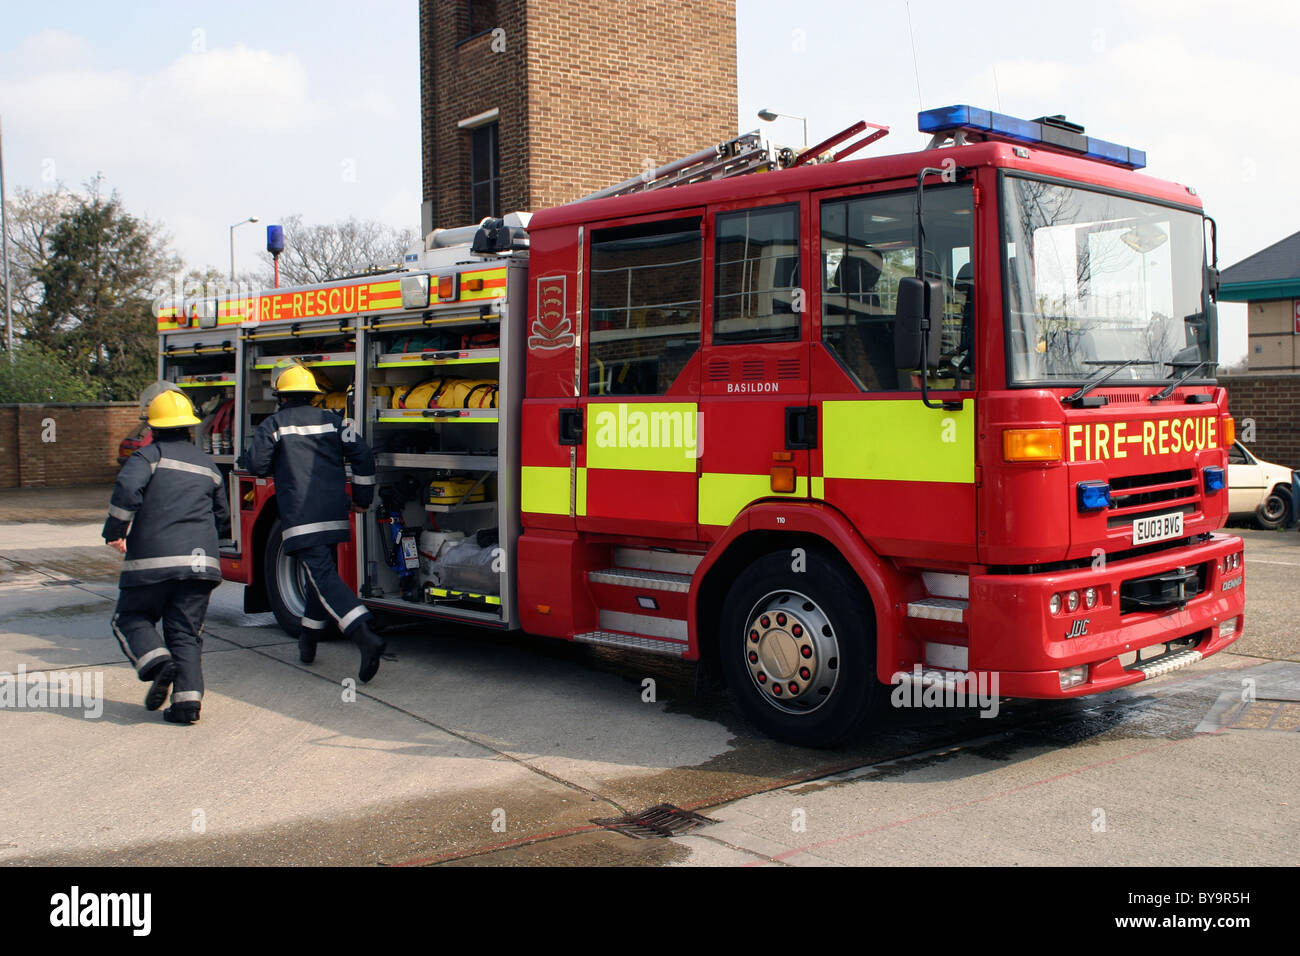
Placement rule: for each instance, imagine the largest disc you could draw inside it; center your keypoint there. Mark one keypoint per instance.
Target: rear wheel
(1275, 511)
(799, 650)
(286, 583)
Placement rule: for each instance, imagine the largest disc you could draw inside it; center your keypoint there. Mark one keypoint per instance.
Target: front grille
(1143, 496)
(1167, 589)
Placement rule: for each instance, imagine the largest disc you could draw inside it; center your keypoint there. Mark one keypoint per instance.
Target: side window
(868, 243)
(756, 260)
(645, 305)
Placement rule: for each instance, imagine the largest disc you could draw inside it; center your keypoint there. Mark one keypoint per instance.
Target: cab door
(638, 456)
(758, 424)
(902, 472)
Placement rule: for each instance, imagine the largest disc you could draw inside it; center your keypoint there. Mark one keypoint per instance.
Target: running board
(1167, 662)
(939, 609)
(636, 642)
(640, 578)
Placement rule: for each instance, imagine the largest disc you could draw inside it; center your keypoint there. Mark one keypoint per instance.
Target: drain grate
(1266, 714)
(662, 820)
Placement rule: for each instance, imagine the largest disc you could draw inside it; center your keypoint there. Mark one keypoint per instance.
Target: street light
(769, 116)
(232, 245)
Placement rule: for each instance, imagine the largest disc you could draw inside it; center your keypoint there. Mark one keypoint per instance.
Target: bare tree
(32, 217)
(317, 253)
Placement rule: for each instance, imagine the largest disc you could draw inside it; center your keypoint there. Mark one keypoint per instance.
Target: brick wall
(461, 77)
(616, 85)
(46, 445)
(588, 91)
(1272, 402)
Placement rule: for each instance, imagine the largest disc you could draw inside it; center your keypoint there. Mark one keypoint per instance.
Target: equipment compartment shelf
(437, 416)
(439, 357)
(451, 462)
(317, 359)
(213, 383)
(467, 506)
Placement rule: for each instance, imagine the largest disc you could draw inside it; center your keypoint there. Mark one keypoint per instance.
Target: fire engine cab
(822, 425)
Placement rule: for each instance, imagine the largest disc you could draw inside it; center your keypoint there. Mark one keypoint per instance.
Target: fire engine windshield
(1096, 280)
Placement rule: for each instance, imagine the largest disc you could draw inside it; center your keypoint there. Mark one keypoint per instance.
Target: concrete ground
(474, 748)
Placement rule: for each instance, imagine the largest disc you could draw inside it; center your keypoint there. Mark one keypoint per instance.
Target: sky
(202, 114)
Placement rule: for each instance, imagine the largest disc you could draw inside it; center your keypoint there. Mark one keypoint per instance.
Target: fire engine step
(1166, 663)
(637, 642)
(638, 578)
(939, 609)
(654, 559)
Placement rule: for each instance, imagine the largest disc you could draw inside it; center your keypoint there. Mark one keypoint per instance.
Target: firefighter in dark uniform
(167, 514)
(304, 447)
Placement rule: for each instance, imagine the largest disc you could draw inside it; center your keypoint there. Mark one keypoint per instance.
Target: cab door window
(868, 244)
(756, 275)
(646, 284)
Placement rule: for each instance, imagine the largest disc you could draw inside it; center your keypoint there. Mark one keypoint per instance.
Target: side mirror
(919, 301)
(1196, 329)
(1212, 282)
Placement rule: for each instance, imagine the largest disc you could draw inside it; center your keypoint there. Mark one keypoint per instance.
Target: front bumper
(1014, 634)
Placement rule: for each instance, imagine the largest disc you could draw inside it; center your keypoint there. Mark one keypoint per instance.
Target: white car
(1258, 488)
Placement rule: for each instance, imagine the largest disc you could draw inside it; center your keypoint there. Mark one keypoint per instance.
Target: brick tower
(532, 103)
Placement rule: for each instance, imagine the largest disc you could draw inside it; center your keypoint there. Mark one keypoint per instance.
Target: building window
(756, 263)
(482, 16)
(483, 172)
(645, 306)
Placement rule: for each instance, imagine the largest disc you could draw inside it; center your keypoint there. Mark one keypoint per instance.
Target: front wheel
(799, 649)
(1275, 511)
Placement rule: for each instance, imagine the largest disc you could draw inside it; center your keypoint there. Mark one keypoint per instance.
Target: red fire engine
(929, 419)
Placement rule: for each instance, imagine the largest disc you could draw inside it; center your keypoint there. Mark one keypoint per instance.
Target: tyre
(798, 649)
(1275, 511)
(286, 583)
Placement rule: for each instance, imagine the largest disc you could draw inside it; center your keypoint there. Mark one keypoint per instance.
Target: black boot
(156, 695)
(307, 645)
(372, 646)
(181, 713)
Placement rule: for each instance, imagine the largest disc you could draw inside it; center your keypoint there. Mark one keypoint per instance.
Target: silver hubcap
(791, 652)
(291, 580)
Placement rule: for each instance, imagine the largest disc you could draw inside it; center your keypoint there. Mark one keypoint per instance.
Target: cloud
(205, 139)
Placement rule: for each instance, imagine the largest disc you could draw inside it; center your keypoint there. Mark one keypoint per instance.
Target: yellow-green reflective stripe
(722, 497)
(898, 441)
(580, 505)
(819, 487)
(544, 489)
(438, 420)
(642, 436)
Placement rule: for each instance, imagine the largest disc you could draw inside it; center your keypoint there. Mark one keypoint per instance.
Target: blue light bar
(1094, 495)
(1215, 480)
(1054, 134)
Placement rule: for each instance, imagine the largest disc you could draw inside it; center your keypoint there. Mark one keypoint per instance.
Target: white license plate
(1158, 528)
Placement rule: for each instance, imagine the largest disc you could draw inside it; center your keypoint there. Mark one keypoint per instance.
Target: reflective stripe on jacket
(169, 503)
(304, 447)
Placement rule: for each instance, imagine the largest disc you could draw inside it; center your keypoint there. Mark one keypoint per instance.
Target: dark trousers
(327, 594)
(182, 605)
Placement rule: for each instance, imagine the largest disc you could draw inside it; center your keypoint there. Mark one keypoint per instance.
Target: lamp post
(769, 116)
(4, 246)
(232, 245)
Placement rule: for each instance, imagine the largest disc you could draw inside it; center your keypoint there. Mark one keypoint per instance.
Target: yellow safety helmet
(295, 378)
(152, 392)
(171, 410)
